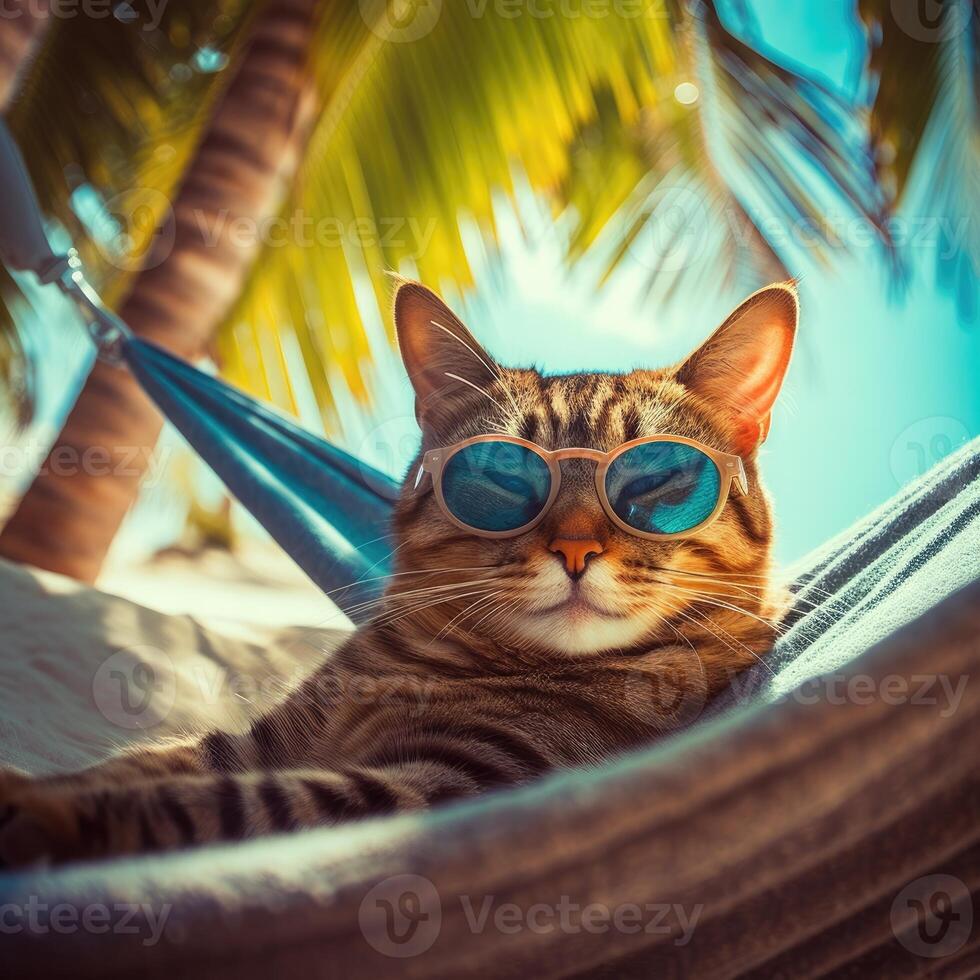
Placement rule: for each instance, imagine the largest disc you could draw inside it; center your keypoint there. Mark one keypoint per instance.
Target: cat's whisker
(495, 608)
(486, 597)
(492, 368)
(415, 571)
(476, 388)
(426, 604)
(771, 580)
(705, 622)
(409, 595)
(711, 600)
(456, 583)
(757, 593)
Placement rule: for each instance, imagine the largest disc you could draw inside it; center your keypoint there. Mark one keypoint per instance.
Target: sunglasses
(661, 487)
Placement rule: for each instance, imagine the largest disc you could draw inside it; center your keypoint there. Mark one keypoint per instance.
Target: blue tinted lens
(496, 486)
(663, 487)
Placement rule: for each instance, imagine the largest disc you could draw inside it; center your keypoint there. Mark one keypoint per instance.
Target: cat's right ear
(442, 357)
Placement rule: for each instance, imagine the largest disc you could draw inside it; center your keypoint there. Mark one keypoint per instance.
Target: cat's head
(577, 583)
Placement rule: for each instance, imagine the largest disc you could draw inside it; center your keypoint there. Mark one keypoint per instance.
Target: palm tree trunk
(68, 518)
(21, 27)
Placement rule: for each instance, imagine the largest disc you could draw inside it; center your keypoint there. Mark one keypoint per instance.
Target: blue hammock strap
(328, 510)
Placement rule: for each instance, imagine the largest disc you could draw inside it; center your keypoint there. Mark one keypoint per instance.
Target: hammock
(327, 509)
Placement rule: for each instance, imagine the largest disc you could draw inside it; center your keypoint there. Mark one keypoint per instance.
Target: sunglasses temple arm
(423, 480)
(741, 479)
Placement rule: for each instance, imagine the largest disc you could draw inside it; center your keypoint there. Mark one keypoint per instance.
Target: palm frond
(762, 154)
(106, 120)
(411, 136)
(415, 134)
(109, 113)
(926, 83)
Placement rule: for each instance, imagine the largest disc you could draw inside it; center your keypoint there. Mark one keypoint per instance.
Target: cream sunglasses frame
(731, 471)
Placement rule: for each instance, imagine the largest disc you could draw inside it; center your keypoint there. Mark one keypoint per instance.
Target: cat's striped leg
(69, 824)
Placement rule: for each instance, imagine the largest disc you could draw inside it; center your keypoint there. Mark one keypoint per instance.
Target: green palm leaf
(926, 74)
(121, 107)
(415, 134)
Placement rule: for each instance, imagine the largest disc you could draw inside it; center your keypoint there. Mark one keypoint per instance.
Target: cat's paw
(37, 828)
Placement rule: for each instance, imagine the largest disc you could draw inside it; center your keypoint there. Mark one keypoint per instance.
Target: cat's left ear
(741, 366)
(443, 359)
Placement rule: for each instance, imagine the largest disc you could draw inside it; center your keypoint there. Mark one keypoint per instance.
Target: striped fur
(485, 666)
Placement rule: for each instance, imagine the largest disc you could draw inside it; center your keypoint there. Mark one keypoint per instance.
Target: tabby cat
(538, 619)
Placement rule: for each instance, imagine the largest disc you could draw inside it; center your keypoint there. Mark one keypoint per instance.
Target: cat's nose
(576, 553)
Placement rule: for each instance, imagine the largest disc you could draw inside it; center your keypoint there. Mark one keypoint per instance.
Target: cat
(491, 659)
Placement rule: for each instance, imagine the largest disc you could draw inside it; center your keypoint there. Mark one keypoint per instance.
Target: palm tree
(67, 521)
(423, 118)
(26, 22)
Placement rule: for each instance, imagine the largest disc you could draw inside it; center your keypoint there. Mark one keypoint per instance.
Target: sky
(884, 382)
